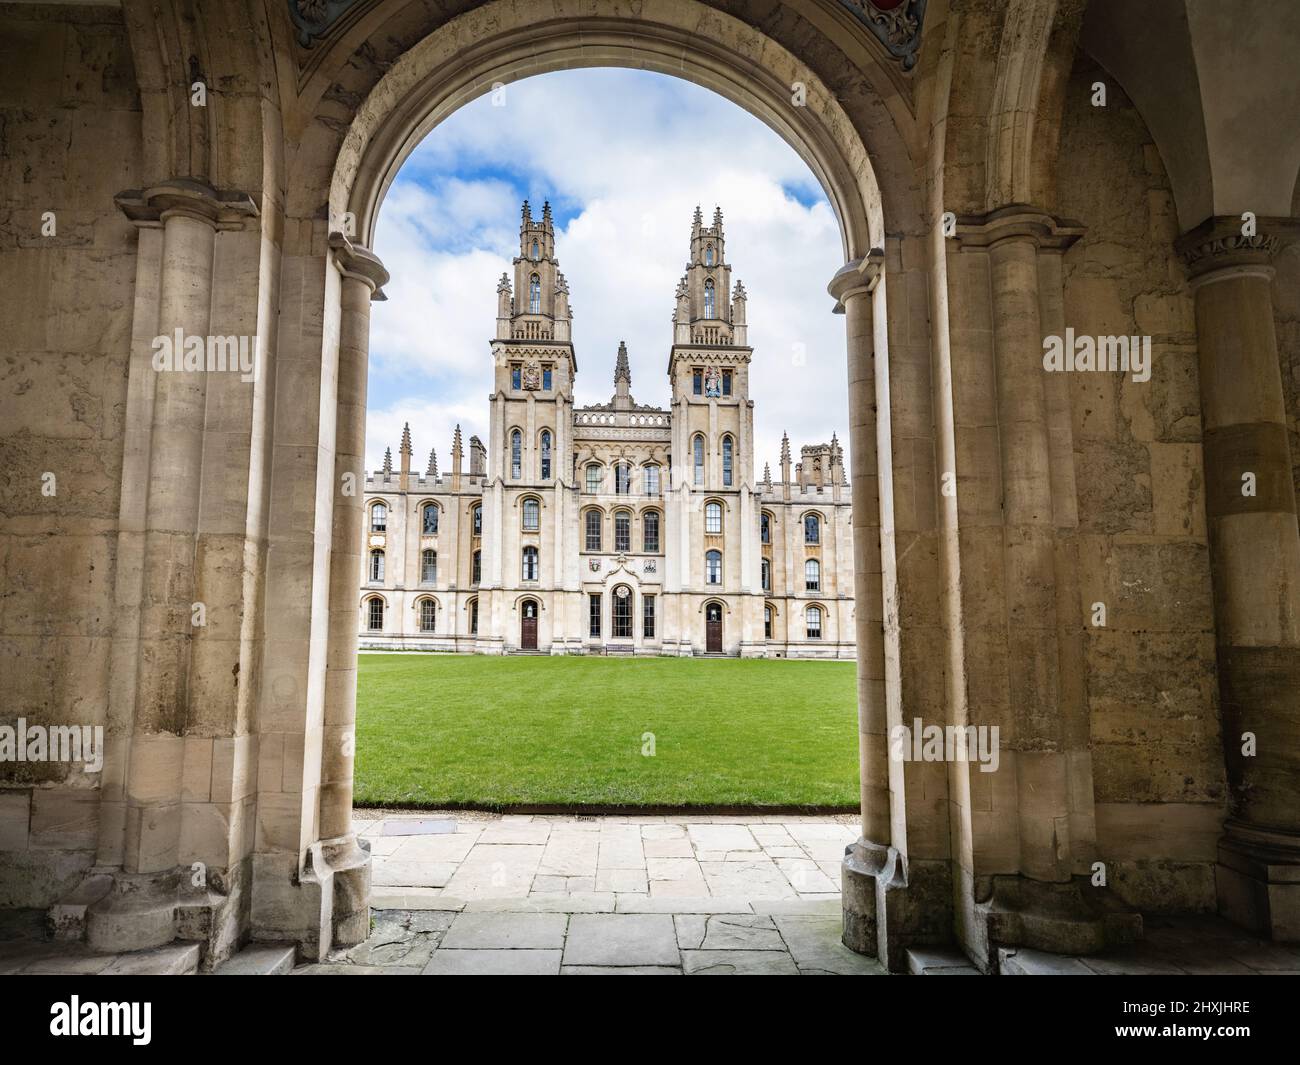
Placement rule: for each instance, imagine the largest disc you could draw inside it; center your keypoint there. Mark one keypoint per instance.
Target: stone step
(68, 916)
(259, 959)
(939, 961)
(1019, 961)
(174, 959)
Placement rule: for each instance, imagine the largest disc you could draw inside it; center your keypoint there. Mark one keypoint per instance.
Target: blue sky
(623, 156)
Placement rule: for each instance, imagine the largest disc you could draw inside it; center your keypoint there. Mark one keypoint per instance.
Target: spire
(785, 448)
(455, 441)
(527, 214)
(621, 368)
(432, 471)
(767, 476)
(504, 284)
(717, 216)
(405, 448)
(738, 293)
(699, 218)
(388, 461)
(546, 213)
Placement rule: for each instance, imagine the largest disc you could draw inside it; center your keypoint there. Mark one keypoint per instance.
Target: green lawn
(438, 730)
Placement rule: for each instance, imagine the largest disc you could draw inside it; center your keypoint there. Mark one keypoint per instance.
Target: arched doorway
(528, 625)
(713, 628)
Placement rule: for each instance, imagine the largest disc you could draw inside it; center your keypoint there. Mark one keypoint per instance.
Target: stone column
(1255, 559)
(140, 910)
(363, 276)
(870, 860)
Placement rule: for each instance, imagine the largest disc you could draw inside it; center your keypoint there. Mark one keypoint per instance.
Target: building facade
(616, 528)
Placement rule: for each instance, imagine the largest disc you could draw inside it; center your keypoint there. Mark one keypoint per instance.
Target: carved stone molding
(858, 278)
(313, 19)
(1017, 221)
(221, 209)
(359, 262)
(1220, 243)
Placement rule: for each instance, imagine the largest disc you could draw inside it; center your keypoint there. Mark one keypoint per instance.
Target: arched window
(530, 563)
(651, 480)
(767, 575)
(535, 295)
(428, 566)
(812, 529)
(376, 566)
(765, 527)
(473, 617)
(375, 615)
(537, 253)
(708, 299)
(813, 622)
(477, 521)
(622, 479)
(429, 524)
(708, 255)
(516, 454)
(532, 515)
(728, 453)
(593, 479)
(697, 445)
(713, 567)
(593, 530)
(546, 455)
(713, 518)
(476, 568)
(767, 622)
(812, 575)
(379, 517)
(622, 612)
(622, 531)
(650, 532)
(428, 614)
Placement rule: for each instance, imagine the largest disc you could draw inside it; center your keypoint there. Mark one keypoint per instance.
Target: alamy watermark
(53, 743)
(193, 354)
(1078, 353)
(946, 743)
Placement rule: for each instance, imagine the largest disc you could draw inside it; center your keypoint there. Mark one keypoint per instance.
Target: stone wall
(1151, 674)
(70, 139)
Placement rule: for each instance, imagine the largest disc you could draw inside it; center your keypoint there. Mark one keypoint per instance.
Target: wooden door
(528, 627)
(713, 628)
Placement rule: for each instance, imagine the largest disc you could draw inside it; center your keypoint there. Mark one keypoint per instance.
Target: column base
(1257, 881)
(137, 913)
(1072, 917)
(326, 905)
(890, 904)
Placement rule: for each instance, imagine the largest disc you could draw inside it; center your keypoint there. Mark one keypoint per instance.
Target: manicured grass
(463, 729)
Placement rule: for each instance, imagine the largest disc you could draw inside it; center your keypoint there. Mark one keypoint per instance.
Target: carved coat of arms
(712, 383)
(532, 377)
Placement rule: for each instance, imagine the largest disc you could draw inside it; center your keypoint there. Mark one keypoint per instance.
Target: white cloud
(625, 156)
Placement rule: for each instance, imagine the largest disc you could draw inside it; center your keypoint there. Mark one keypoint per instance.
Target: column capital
(221, 209)
(359, 262)
(858, 278)
(1018, 221)
(1218, 248)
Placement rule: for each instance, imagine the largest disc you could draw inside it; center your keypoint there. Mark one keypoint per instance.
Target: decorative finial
(699, 218)
(432, 471)
(621, 368)
(388, 460)
(405, 448)
(739, 291)
(504, 284)
(717, 216)
(455, 441)
(785, 448)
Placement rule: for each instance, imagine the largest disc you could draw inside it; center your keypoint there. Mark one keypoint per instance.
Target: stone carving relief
(896, 24)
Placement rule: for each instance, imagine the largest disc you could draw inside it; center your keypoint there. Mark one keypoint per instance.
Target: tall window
(516, 376)
(698, 446)
(546, 378)
(812, 529)
(593, 479)
(813, 622)
(537, 253)
(765, 528)
(622, 531)
(477, 521)
(622, 479)
(428, 566)
(767, 575)
(708, 255)
(375, 618)
(530, 563)
(812, 575)
(430, 522)
(713, 567)
(728, 452)
(648, 616)
(473, 617)
(428, 614)
(708, 299)
(713, 518)
(593, 615)
(697, 382)
(650, 532)
(651, 480)
(593, 530)
(516, 454)
(623, 613)
(535, 295)
(376, 566)
(476, 568)
(546, 455)
(532, 515)
(767, 622)
(379, 517)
